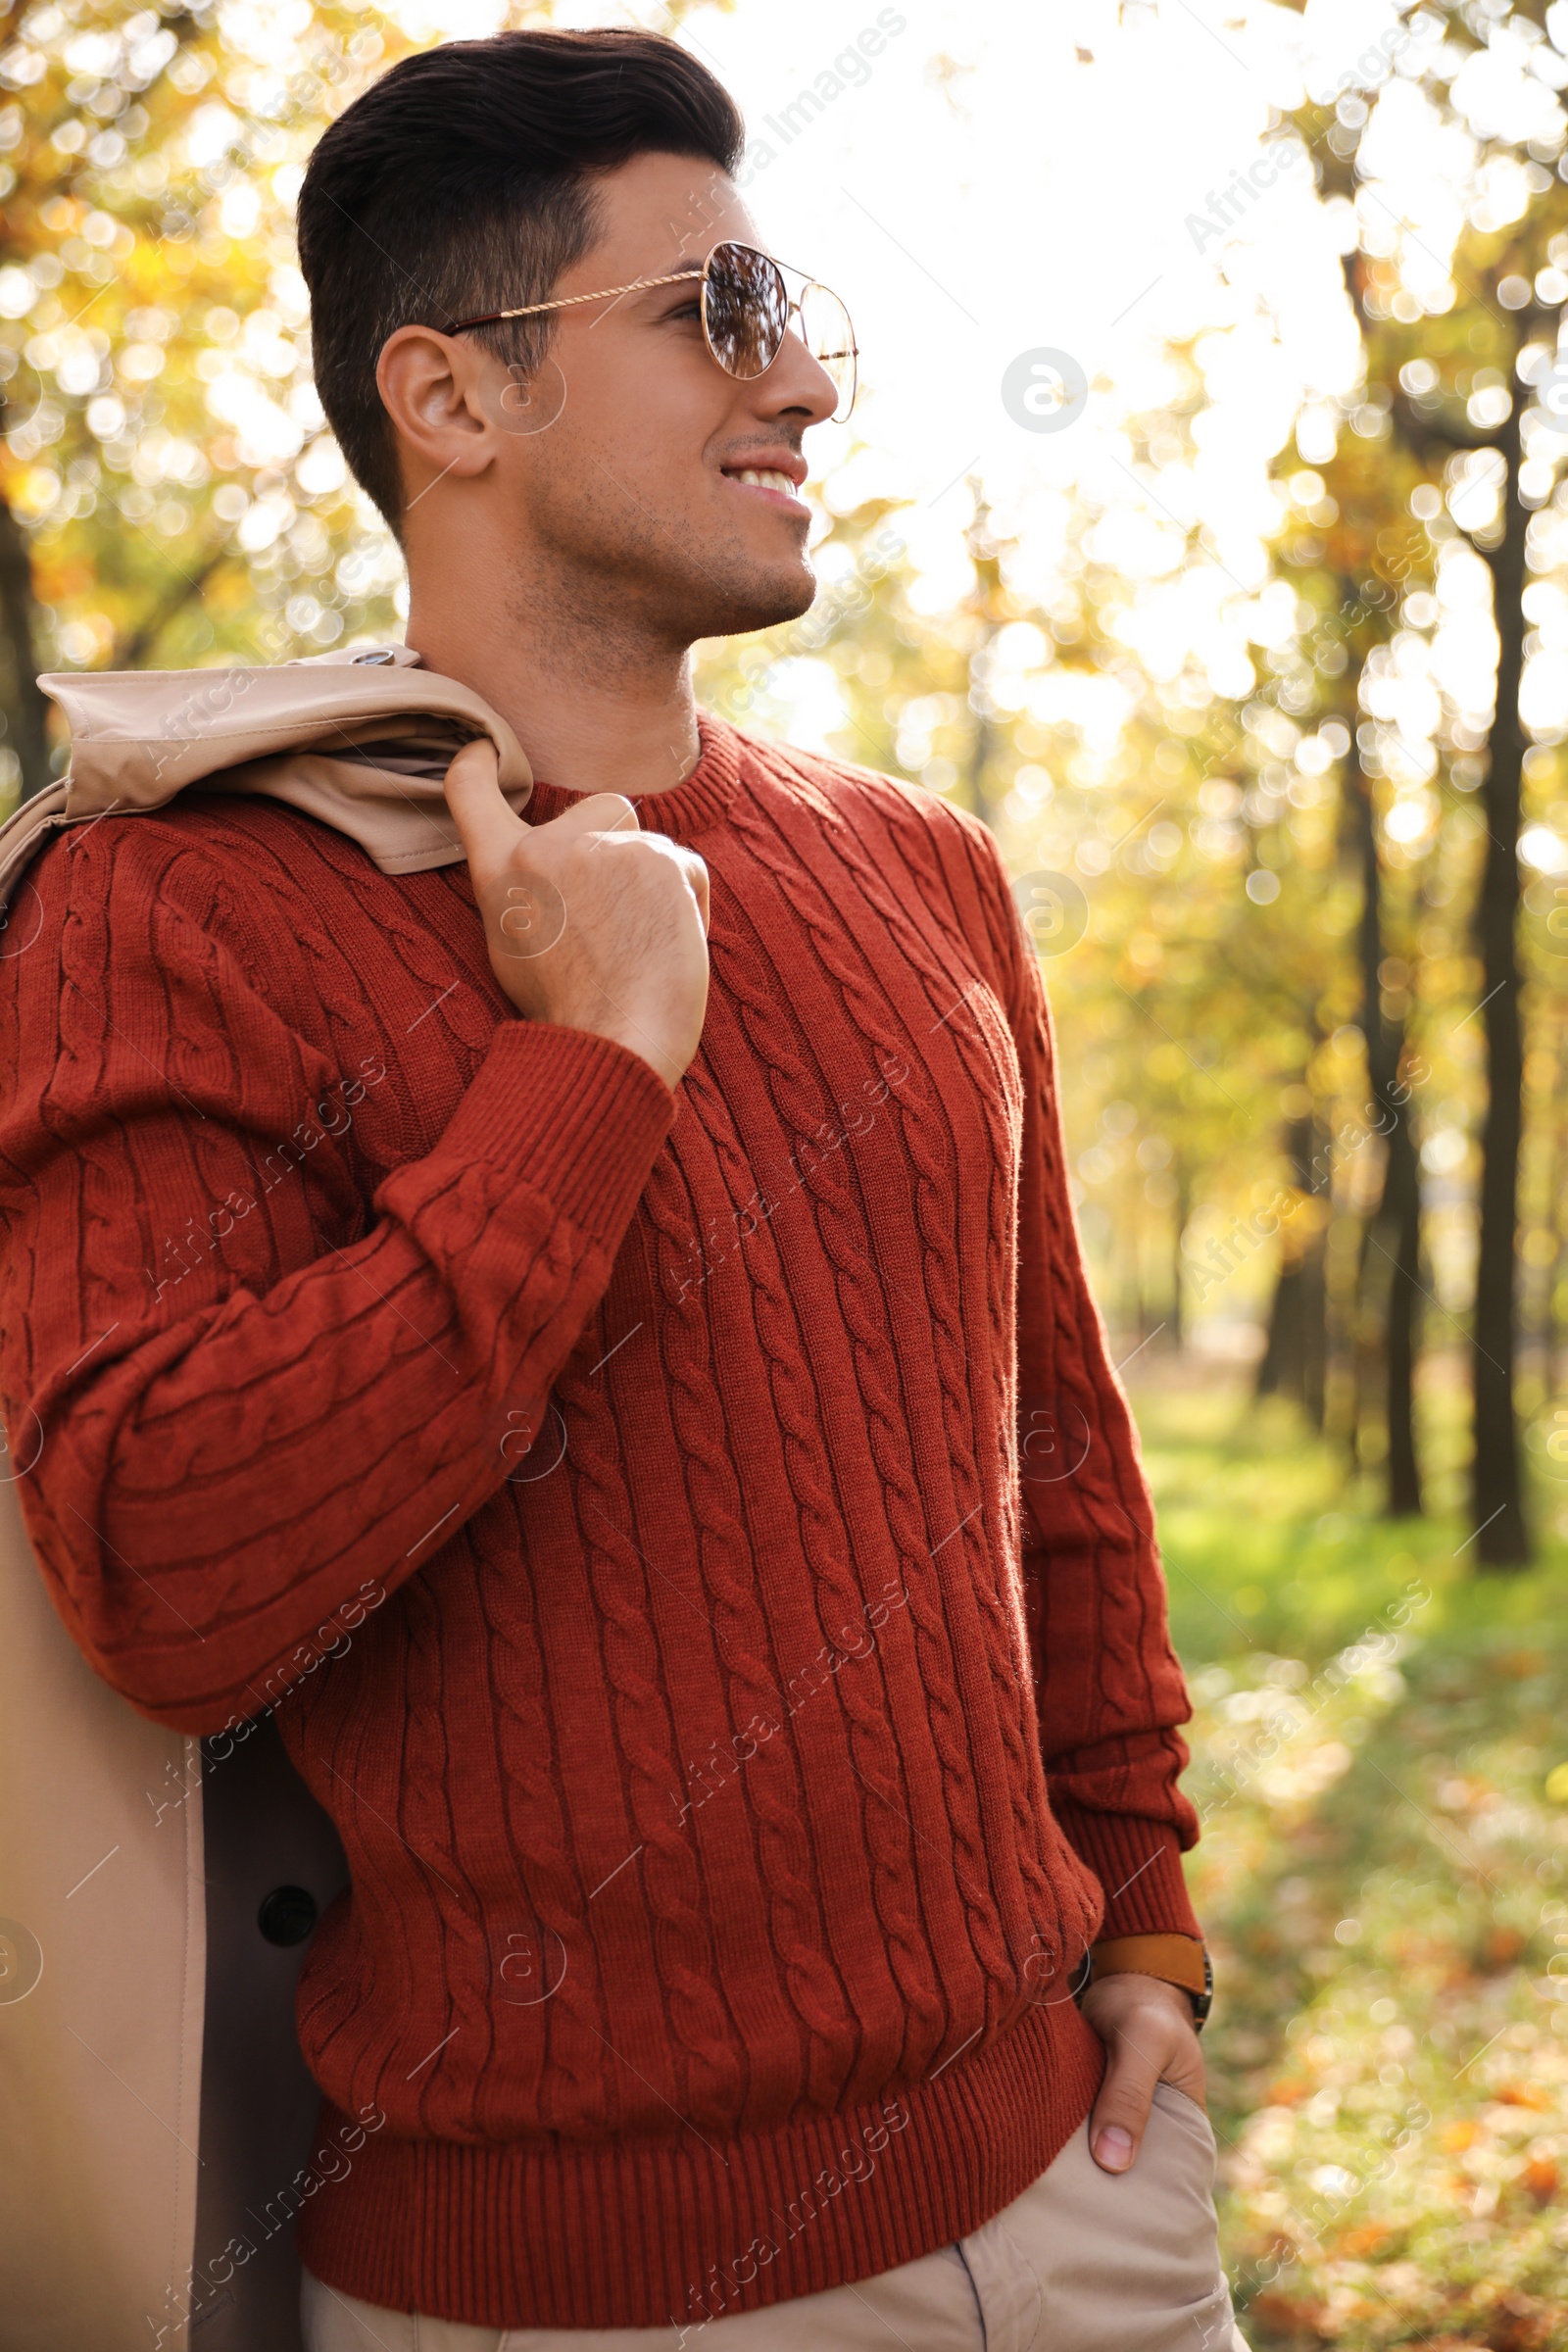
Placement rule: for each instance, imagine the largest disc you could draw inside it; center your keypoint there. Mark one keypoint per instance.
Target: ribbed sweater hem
(640, 2235)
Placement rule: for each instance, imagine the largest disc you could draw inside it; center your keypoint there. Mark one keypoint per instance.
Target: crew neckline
(680, 810)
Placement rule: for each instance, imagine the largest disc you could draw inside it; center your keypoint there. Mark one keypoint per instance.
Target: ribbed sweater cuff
(575, 1116)
(1138, 1864)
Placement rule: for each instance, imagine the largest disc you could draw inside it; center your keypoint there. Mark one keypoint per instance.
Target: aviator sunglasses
(746, 311)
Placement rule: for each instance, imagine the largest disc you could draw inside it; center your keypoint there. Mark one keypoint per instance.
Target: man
(736, 1760)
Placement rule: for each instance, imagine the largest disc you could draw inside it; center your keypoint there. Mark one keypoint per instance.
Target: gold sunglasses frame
(679, 278)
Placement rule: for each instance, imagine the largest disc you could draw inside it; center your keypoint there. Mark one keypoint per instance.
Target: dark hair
(460, 183)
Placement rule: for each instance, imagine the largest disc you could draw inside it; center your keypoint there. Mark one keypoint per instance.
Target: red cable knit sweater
(652, 1476)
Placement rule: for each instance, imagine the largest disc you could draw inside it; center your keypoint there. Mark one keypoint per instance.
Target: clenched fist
(590, 923)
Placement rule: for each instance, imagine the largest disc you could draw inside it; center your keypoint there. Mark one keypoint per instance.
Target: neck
(596, 709)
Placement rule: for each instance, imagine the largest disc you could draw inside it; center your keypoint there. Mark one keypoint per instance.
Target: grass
(1384, 1878)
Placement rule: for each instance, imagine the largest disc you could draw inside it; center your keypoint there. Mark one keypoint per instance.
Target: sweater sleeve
(241, 1396)
(1108, 1689)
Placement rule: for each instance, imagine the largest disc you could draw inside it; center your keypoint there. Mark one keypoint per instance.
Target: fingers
(490, 831)
(1121, 2111)
(606, 812)
(696, 871)
(599, 812)
(485, 823)
(489, 828)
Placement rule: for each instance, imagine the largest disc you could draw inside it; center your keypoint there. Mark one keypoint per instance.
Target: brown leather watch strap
(1177, 1959)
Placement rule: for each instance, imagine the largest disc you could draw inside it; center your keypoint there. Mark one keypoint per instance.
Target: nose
(797, 380)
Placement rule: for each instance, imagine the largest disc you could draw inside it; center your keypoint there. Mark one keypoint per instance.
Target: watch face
(1202, 2002)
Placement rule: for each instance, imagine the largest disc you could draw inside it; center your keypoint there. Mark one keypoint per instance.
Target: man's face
(632, 461)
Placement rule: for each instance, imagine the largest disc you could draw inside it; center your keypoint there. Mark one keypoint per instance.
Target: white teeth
(767, 480)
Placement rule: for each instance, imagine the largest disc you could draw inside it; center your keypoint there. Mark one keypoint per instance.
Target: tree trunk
(1315, 1306)
(1503, 1539)
(1281, 1368)
(28, 706)
(1387, 1290)
(1293, 1360)
(132, 651)
(1401, 1201)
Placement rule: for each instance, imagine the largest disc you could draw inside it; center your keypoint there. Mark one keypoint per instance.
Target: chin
(760, 599)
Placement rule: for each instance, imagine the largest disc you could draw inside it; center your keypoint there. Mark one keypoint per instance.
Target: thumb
(485, 822)
(1121, 2111)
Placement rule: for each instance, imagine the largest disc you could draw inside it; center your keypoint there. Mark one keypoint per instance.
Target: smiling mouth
(766, 478)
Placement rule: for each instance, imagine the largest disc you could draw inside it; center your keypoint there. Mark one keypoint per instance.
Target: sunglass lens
(744, 308)
(830, 340)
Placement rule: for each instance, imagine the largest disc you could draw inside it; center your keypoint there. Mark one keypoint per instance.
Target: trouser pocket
(1090, 2261)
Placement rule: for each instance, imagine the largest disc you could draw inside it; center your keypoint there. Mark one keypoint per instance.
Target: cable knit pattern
(871, 1750)
(960, 1015)
(618, 1503)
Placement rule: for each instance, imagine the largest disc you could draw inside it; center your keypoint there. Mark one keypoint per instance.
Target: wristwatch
(1175, 1959)
(1202, 2002)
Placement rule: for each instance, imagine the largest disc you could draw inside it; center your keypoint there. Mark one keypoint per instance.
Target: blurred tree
(169, 493)
(1195, 905)
(1337, 566)
(1294, 1362)
(165, 488)
(1497, 302)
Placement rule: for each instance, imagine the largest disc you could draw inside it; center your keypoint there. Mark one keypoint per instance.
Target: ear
(433, 389)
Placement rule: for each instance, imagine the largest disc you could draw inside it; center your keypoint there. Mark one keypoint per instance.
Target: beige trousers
(1084, 2261)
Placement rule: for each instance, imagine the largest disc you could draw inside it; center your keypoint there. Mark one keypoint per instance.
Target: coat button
(287, 1915)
